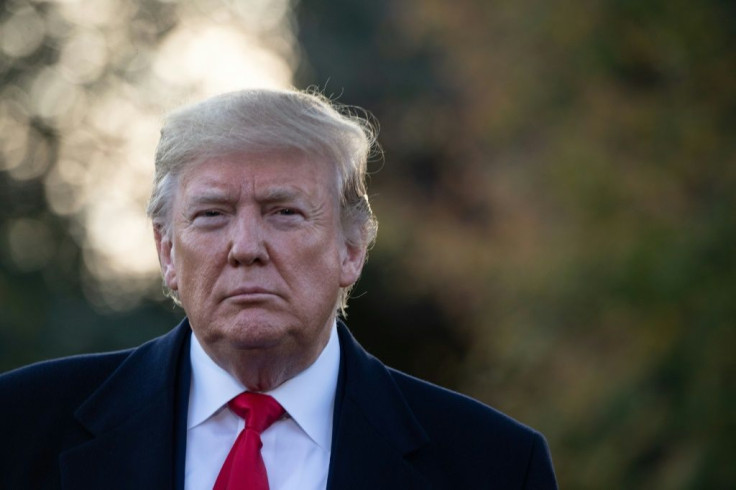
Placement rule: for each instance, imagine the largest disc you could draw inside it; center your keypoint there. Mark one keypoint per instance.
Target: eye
(207, 217)
(286, 215)
(205, 214)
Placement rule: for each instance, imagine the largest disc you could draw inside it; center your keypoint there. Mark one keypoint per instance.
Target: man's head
(262, 223)
(262, 121)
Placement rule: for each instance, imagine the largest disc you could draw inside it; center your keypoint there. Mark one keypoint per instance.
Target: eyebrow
(208, 196)
(273, 194)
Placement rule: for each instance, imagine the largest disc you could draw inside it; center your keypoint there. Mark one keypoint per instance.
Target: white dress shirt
(296, 449)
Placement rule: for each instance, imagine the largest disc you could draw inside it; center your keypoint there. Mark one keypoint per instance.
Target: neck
(262, 370)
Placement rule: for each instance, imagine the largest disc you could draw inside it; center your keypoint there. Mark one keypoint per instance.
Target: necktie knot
(258, 410)
(244, 468)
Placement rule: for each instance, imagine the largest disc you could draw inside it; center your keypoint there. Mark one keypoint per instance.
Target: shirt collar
(308, 397)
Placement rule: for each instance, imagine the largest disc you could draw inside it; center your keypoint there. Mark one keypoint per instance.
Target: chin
(256, 335)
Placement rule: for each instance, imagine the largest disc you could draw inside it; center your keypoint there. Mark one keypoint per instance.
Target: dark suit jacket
(118, 421)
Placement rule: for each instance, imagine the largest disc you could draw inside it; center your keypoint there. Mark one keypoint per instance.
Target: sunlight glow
(232, 59)
(105, 95)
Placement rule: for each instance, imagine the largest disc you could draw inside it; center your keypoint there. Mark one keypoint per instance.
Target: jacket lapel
(133, 421)
(375, 432)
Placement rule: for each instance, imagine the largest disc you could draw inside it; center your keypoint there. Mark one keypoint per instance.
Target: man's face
(257, 256)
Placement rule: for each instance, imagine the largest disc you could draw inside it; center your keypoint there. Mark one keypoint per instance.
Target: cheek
(318, 263)
(197, 268)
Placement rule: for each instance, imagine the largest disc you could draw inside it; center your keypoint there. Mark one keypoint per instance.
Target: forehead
(262, 174)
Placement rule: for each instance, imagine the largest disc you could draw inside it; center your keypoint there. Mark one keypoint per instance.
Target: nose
(247, 243)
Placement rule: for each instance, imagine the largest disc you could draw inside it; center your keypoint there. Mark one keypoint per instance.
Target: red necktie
(244, 469)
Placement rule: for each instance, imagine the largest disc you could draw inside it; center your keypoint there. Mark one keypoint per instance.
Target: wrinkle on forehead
(207, 187)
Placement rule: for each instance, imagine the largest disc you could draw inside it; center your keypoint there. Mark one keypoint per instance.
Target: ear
(165, 249)
(352, 258)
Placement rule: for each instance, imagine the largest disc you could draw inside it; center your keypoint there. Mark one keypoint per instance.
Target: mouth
(250, 295)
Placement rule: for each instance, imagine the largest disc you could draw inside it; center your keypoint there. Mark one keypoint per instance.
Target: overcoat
(118, 421)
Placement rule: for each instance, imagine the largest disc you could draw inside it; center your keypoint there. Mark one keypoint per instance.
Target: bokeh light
(86, 118)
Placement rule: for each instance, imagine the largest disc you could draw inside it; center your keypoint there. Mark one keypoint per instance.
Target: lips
(250, 293)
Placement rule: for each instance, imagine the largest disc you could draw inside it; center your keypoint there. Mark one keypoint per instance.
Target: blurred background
(556, 201)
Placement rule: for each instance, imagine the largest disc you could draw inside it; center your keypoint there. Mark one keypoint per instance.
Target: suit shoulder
(58, 379)
(438, 405)
(471, 438)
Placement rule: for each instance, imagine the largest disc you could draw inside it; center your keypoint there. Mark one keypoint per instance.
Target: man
(262, 223)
